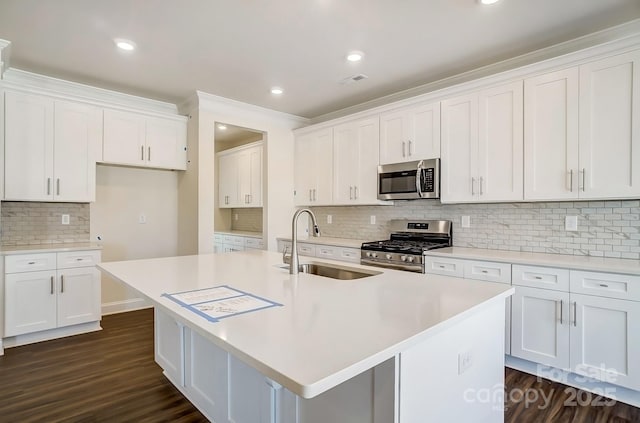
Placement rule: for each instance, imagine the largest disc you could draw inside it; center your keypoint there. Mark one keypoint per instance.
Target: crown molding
(5, 54)
(21, 80)
(619, 37)
(215, 103)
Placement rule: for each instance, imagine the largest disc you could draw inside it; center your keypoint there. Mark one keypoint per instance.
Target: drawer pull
(604, 285)
(441, 267)
(32, 262)
(484, 271)
(538, 277)
(79, 259)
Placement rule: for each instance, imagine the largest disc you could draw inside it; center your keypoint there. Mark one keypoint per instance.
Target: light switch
(142, 219)
(65, 219)
(329, 219)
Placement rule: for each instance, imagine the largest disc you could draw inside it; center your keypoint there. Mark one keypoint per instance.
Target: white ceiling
(240, 48)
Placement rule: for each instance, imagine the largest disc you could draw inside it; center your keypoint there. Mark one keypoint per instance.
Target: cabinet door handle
(350, 192)
(575, 314)
(583, 171)
(149, 153)
(314, 195)
(48, 186)
(410, 147)
(481, 181)
(142, 152)
(61, 284)
(403, 149)
(473, 182)
(571, 180)
(355, 193)
(561, 307)
(51, 285)
(58, 186)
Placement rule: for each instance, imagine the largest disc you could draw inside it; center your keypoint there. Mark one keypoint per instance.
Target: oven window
(398, 182)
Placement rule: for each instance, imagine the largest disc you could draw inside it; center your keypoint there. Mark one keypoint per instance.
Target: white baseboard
(125, 305)
(47, 335)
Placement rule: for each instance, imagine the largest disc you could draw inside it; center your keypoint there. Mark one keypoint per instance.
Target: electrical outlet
(329, 219)
(142, 219)
(235, 216)
(465, 360)
(571, 223)
(372, 220)
(65, 219)
(465, 222)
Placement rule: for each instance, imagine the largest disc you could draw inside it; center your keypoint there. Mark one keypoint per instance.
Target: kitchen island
(393, 347)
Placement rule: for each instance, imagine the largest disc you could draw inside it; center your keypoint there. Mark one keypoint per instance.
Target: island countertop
(326, 331)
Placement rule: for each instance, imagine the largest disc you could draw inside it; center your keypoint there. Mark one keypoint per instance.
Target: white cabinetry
(48, 290)
(50, 149)
(314, 168)
(582, 131)
(482, 145)
(332, 252)
(240, 177)
(411, 133)
(140, 140)
(355, 162)
(224, 243)
(568, 327)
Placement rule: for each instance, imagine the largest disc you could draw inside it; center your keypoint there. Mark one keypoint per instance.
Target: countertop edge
(47, 248)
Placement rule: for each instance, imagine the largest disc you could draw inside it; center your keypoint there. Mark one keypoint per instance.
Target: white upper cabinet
(50, 148)
(240, 177)
(482, 145)
(609, 131)
(314, 168)
(409, 134)
(581, 137)
(140, 140)
(355, 162)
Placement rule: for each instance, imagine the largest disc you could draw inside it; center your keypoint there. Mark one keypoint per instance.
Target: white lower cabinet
(65, 293)
(590, 335)
(332, 252)
(231, 243)
(169, 347)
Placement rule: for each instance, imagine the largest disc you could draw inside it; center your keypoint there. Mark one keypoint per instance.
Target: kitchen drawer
(71, 259)
(327, 251)
(218, 238)
(235, 240)
(444, 266)
(306, 249)
(350, 254)
(541, 277)
(488, 271)
(611, 285)
(255, 243)
(29, 262)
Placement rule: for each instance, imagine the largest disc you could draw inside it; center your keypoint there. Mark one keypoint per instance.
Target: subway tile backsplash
(605, 228)
(29, 223)
(249, 219)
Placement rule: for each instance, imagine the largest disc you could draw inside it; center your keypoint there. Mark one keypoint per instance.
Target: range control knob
(403, 258)
(388, 256)
(369, 254)
(374, 255)
(410, 259)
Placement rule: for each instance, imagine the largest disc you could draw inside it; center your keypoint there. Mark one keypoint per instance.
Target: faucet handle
(286, 259)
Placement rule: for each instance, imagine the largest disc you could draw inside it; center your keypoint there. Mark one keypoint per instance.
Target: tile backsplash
(28, 223)
(248, 219)
(605, 228)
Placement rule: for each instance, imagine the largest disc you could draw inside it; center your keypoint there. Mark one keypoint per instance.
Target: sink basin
(334, 271)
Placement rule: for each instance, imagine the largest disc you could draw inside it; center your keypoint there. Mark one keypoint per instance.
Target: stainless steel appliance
(409, 241)
(410, 180)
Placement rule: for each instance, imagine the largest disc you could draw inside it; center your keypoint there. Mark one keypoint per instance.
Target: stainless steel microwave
(409, 180)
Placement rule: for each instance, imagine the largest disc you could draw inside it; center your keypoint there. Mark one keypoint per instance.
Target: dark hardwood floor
(110, 376)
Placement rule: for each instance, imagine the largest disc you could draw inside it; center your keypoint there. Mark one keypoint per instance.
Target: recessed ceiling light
(277, 90)
(126, 45)
(355, 56)
(222, 127)
(488, 1)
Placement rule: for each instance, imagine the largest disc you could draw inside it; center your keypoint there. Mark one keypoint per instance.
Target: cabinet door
(424, 132)
(393, 137)
(250, 397)
(610, 127)
(249, 164)
(551, 136)
(314, 168)
(169, 347)
(166, 143)
(459, 149)
(227, 180)
(124, 138)
(540, 326)
(346, 162)
(77, 138)
(78, 296)
(604, 339)
(28, 147)
(30, 302)
(500, 143)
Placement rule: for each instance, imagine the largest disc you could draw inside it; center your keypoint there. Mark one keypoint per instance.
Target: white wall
(122, 194)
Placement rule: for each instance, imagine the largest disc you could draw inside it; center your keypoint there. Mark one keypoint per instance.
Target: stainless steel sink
(334, 271)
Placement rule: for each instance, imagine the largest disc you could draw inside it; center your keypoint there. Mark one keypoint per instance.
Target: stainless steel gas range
(409, 241)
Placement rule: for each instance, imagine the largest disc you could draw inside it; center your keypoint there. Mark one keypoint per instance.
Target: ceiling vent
(353, 78)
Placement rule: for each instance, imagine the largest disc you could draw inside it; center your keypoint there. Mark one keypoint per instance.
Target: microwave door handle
(418, 176)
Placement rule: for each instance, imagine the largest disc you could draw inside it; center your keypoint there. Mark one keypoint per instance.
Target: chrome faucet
(294, 263)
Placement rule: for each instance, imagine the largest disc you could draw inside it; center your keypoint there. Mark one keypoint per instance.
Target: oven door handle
(418, 176)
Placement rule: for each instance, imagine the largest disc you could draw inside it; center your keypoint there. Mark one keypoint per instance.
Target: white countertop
(597, 264)
(325, 240)
(48, 248)
(240, 233)
(327, 330)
